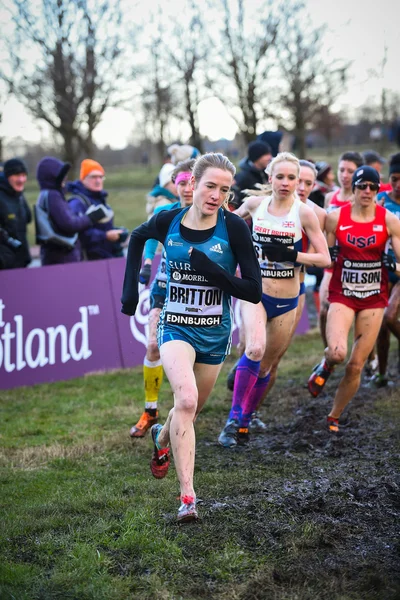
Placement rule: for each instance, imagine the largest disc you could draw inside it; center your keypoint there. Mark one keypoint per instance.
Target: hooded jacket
(246, 179)
(159, 196)
(15, 214)
(93, 240)
(50, 175)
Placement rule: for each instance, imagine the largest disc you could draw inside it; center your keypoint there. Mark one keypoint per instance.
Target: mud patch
(324, 509)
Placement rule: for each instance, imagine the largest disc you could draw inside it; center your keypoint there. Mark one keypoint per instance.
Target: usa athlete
(359, 286)
(348, 163)
(203, 245)
(282, 226)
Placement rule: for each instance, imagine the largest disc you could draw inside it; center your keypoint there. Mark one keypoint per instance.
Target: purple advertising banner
(56, 323)
(64, 321)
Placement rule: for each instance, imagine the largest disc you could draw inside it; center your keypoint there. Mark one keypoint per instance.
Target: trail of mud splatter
(333, 527)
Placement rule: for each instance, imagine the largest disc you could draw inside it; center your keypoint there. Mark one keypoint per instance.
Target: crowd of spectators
(82, 222)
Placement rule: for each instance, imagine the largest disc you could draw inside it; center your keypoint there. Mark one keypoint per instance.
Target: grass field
(296, 516)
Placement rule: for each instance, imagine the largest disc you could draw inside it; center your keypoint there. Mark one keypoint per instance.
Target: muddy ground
(330, 518)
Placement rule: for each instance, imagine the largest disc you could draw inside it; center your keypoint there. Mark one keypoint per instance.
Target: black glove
(99, 213)
(145, 274)
(279, 253)
(334, 252)
(9, 241)
(129, 310)
(389, 262)
(123, 236)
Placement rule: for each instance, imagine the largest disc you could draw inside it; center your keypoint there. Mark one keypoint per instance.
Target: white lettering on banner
(139, 323)
(39, 347)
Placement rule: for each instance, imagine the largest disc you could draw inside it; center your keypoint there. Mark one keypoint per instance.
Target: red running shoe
(332, 424)
(318, 378)
(160, 460)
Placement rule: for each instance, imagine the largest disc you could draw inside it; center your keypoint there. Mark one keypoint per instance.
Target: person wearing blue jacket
(51, 174)
(101, 240)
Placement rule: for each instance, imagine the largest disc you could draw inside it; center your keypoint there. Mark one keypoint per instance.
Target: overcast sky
(358, 30)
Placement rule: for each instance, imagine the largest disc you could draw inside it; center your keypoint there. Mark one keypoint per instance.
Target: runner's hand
(389, 262)
(279, 253)
(145, 274)
(334, 252)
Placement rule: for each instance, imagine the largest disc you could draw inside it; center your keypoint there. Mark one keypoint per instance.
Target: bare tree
(244, 63)
(158, 100)
(310, 84)
(187, 49)
(75, 78)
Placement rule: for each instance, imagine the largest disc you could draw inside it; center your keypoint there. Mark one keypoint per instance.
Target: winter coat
(50, 174)
(15, 214)
(246, 179)
(159, 196)
(93, 240)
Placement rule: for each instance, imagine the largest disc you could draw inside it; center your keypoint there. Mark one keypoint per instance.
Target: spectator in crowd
(101, 240)
(15, 214)
(177, 153)
(51, 174)
(273, 139)
(252, 170)
(323, 184)
(163, 193)
(375, 160)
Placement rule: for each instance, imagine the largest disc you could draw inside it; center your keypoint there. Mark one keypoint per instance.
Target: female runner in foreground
(152, 368)
(203, 245)
(280, 224)
(358, 288)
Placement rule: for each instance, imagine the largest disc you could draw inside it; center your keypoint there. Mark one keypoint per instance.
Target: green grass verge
(83, 519)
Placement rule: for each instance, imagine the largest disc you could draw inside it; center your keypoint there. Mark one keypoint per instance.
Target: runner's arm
(249, 205)
(320, 257)
(249, 286)
(156, 228)
(151, 245)
(393, 226)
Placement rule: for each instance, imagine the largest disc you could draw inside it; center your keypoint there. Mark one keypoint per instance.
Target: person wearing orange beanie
(102, 240)
(88, 166)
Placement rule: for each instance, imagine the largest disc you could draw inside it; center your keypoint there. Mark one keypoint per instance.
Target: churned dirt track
(324, 508)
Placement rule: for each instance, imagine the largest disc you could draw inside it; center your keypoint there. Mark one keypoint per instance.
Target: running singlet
(335, 203)
(285, 230)
(359, 280)
(199, 310)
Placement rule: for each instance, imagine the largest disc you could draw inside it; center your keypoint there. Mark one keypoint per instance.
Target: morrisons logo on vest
(21, 348)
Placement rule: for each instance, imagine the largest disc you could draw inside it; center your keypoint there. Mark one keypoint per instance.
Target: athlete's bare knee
(186, 399)
(336, 354)
(354, 368)
(255, 350)
(390, 317)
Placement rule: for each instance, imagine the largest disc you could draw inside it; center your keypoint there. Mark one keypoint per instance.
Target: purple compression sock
(253, 399)
(246, 377)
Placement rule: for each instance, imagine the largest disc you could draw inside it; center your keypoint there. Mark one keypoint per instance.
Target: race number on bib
(361, 279)
(198, 305)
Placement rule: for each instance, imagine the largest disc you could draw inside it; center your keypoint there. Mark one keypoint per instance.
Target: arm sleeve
(151, 245)
(28, 212)
(63, 216)
(90, 236)
(156, 228)
(249, 286)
